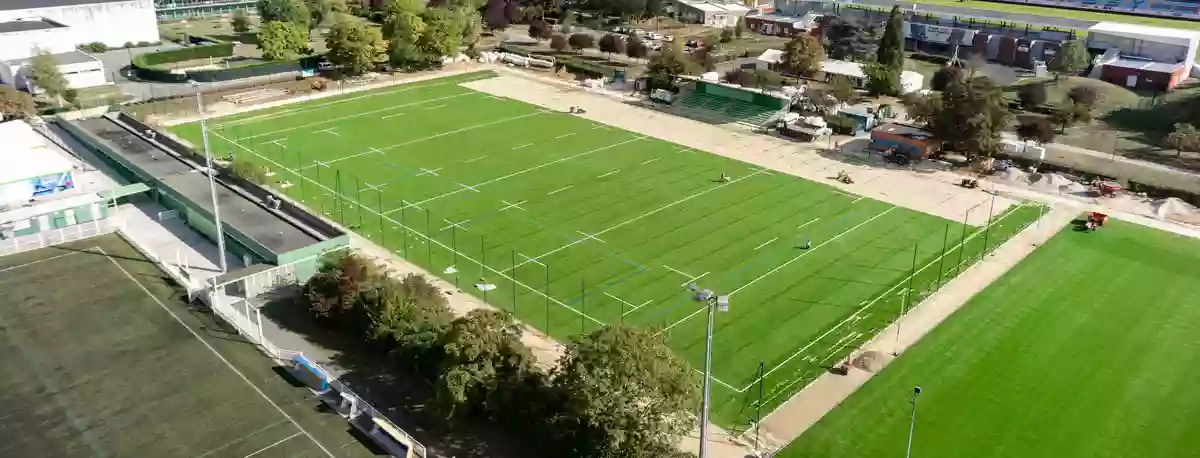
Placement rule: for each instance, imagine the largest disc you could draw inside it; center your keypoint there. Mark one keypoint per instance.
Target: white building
(1158, 44)
(112, 22)
(710, 13)
(57, 27)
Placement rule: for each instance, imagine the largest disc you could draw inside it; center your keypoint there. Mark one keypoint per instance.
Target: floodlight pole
(212, 184)
(912, 423)
(711, 302)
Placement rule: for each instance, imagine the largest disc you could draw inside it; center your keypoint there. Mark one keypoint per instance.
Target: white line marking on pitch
(842, 193)
(443, 134)
(522, 146)
(536, 167)
(777, 268)
(591, 236)
(320, 164)
(215, 352)
(425, 171)
(643, 215)
(556, 191)
(468, 161)
(564, 136)
(693, 279)
(527, 258)
(373, 187)
(768, 242)
(623, 301)
(850, 318)
(272, 445)
(276, 142)
(454, 224)
(392, 116)
(609, 173)
(685, 274)
(512, 205)
(858, 199)
(406, 204)
(465, 257)
(47, 259)
(375, 150)
(649, 161)
(472, 188)
(342, 118)
(436, 107)
(809, 222)
(600, 126)
(329, 131)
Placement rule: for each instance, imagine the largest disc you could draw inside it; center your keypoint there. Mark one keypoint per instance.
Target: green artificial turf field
(102, 358)
(1084, 349)
(582, 225)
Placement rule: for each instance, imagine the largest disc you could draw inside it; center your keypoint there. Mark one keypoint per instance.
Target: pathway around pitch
(818, 398)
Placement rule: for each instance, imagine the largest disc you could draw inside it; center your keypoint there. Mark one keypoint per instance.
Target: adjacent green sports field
(100, 357)
(1069, 13)
(1087, 348)
(582, 225)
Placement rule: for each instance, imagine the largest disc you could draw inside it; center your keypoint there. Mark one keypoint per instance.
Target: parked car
(654, 36)
(655, 46)
(668, 38)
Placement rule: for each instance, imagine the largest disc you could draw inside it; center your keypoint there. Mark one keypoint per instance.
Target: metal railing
(233, 302)
(58, 236)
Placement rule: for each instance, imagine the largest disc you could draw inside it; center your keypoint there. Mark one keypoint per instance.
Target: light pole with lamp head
(912, 423)
(212, 184)
(714, 303)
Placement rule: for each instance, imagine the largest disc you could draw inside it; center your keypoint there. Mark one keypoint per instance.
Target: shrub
(128, 44)
(1084, 95)
(152, 59)
(944, 76)
(1032, 96)
(94, 46)
(840, 125)
(248, 171)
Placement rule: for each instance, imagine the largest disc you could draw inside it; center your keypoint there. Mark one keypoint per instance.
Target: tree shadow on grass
(403, 396)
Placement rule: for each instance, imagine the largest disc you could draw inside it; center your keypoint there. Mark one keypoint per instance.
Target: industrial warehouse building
(57, 27)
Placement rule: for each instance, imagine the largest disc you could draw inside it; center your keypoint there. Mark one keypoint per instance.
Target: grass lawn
(1084, 349)
(112, 362)
(579, 225)
(1068, 13)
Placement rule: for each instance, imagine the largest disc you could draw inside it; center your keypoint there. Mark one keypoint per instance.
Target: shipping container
(1024, 53)
(979, 45)
(1008, 51)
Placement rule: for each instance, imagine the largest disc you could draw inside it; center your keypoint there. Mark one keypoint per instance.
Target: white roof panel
(1145, 30)
(25, 155)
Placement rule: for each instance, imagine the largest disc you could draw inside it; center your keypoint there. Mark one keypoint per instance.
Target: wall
(1130, 46)
(1145, 79)
(79, 76)
(19, 45)
(112, 23)
(54, 220)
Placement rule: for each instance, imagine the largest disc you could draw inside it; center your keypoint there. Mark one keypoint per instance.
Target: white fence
(57, 236)
(234, 301)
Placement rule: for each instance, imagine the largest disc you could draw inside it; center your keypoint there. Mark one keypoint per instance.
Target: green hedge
(153, 59)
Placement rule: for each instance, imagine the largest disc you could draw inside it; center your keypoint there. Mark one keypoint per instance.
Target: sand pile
(1175, 209)
(1053, 182)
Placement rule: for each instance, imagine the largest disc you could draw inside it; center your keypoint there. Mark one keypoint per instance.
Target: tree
(768, 78)
(1071, 59)
(971, 116)
(581, 41)
(15, 104)
(565, 21)
(701, 59)
(282, 40)
(43, 70)
(292, 11)
(442, 35)
(482, 354)
(740, 77)
(513, 10)
(665, 68)
(403, 29)
(495, 16)
(318, 11)
(726, 35)
(627, 394)
(976, 64)
(408, 318)
(559, 42)
(945, 76)
(923, 109)
(802, 56)
(848, 39)
(470, 23)
(539, 29)
(635, 48)
(240, 21)
(1032, 95)
(1084, 96)
(882, 79)
(1037, 129)
(841, 88)
(891, 45)
(352, 46)
(608, 43)
(821, 100)
(739, 28)
(1183, 138)
(332, 292)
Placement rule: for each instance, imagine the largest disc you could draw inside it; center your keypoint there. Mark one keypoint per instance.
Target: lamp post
(715, 303)
(212, 184)
(912, 422)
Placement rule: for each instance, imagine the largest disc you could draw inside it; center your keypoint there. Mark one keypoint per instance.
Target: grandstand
(723, 102)
(1174, 9)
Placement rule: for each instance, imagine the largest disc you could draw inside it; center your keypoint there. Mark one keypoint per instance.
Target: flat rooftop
(9, 5)
(977, 14)
(62, 58)
(25, 25)
(239, 211)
